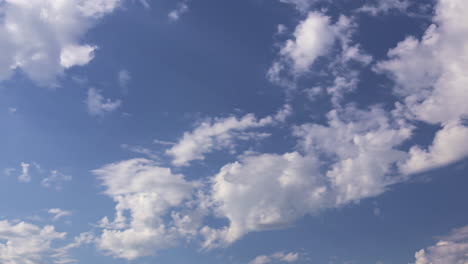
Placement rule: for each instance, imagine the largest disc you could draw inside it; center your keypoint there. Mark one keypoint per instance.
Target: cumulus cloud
(429, 75)
(42, 38)
(23, 243)
(268, 191)
(450, 145)
(145, 195)
(313, 38)
(98, 105)
(317, 37)
(451, 249)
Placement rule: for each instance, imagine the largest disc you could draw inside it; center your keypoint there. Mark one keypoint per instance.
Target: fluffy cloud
(450, 145)
(430, 76)
(23, 243)
(315, 37)
(450, 249)
(350, 159)
(218, 134)
(98, 105)
(145, 194)
(312, 38)
(430, 72)
(42, 37)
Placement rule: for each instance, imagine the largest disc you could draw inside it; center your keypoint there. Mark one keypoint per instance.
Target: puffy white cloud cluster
(451, 249)
(145, 194)
(23, 243)
(430, 77)
(42, 38)
(352, 158)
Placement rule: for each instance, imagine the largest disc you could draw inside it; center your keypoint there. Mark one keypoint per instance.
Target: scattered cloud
(182, 8)
(429, 76)
(147, 193)
(98, 105)
(276, 257)
(24, 176)
(450, 249)
(215, 134)
(58, 213)
(43, 38)
(28, 243)
(55, 180)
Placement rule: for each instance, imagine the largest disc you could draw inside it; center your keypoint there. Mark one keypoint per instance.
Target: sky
(238, 132)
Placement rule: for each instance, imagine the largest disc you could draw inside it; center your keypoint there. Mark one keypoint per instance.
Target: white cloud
(55, 180)
(58, 213)
(216, 134)
(429, 73)
(352, 158)
(182, 8)
(385, 6)
(145, 195)
(450, 249)
(74, 55)
(98, 105)
(24, 243)
(279, 256)
(42, 37)
(313, 38)
(317, 37)
(141, 150)
(12, 110)
(430, 76)
(450, 145)
(24, 176)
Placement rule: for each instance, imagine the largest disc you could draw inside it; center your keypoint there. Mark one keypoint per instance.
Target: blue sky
(243, 132)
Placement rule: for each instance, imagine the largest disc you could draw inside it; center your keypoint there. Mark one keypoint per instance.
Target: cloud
(145, 195)
(98, 105)
(58, 213)
(276, 257)
(123, 78)
(43, 38)
(216, 134)
(182, 8)
(352, 158)
(450, 249)
(430, 77)
(450, 145)
(24, 243)
(316, 37)
(385, 6)
(24, 176)
(55, 180)
(429, 73)
(313, 38)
